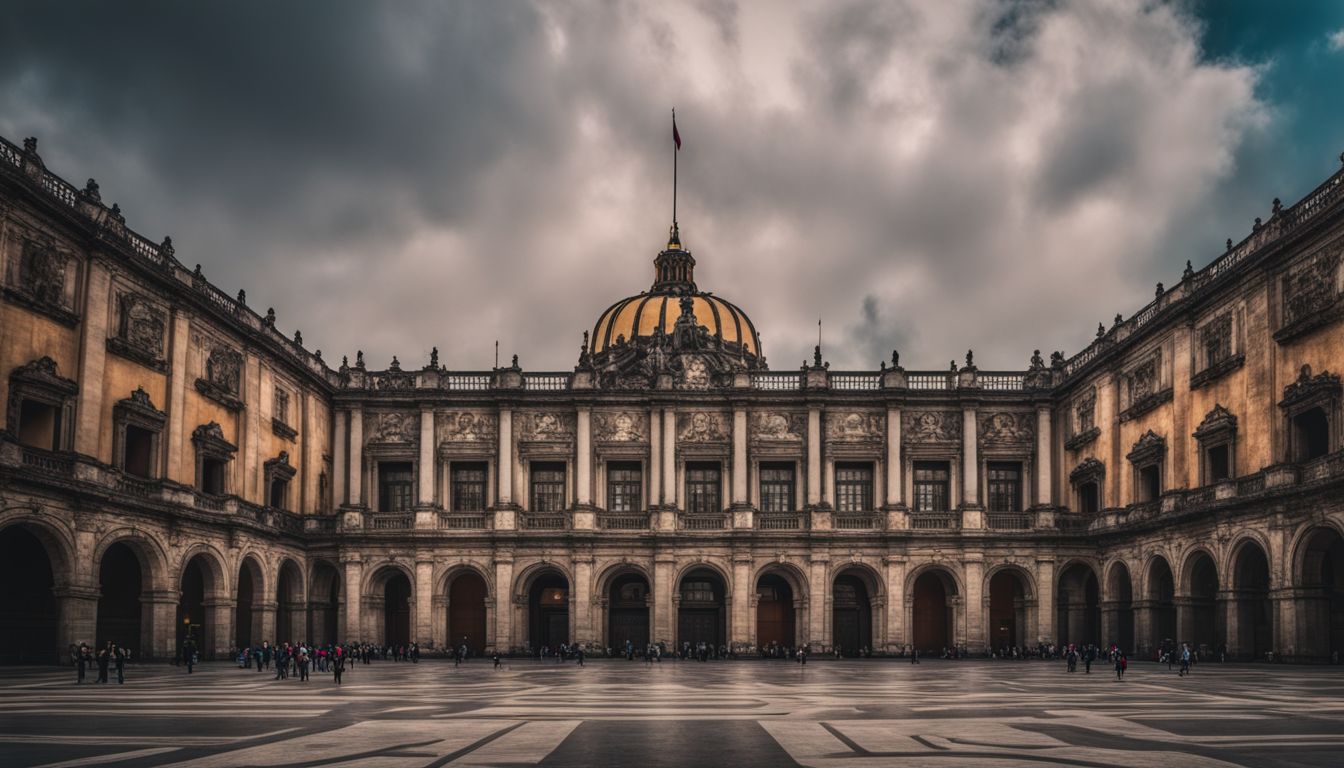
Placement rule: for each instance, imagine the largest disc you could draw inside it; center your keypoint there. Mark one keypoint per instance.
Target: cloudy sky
(930, 176)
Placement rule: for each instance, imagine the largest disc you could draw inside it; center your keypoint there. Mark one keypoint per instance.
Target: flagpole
(674, 169)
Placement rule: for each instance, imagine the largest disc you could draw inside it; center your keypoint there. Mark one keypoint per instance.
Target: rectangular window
(1150, 482)
(212, 476)
(138, 452)
(279, 493)
(395, 482)
(1005, 486)
(777, 487)
(1089, 498)
(853, 487)
(932, 484)
(1218, 461)
(468, 486)
(702, 488)
(624, 486)
(282, 405)
(39, 425)
(548, 486)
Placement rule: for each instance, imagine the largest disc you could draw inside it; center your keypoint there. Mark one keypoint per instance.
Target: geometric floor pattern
(847, 714)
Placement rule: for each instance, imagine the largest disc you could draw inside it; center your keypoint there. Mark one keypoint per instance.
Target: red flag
(676, 137)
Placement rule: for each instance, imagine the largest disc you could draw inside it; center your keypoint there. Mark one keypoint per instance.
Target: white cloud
(1336, 40)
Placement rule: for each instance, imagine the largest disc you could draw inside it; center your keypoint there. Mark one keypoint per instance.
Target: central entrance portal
(700, 616)
(548, 611)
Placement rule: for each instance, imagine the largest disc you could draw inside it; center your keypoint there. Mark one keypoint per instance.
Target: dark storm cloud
(399, 175)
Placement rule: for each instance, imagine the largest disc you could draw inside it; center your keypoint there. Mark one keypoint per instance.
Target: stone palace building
(172, 466)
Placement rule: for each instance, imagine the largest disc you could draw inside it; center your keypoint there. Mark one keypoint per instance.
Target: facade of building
(172, 466)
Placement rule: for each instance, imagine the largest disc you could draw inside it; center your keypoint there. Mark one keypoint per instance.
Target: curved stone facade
(173, 467)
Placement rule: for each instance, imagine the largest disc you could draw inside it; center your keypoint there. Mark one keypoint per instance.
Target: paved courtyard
(850, 714)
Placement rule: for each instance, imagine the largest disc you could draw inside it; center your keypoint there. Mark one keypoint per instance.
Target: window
(777, 487)
(39, 425)
(281, 405)
(395, 482)
(702, 488)
(1089, 498)
(932, 482)
(468, 486)
(1150, 482)
(1216, 436)
(548, 486)
(212, 477)
(624, 488)
(1005, 486)
(279, 493)
(1312, 429)
(853, 487)
(139, 451)
(698, 592)
(1218, 463)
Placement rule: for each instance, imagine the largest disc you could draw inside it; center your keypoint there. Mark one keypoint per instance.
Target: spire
(674, 267)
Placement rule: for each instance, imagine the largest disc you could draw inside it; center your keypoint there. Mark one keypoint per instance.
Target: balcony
(544, 521)
(1009, 521)
(618, 522)
(855, 522)
(713, 522)
(780, 521)
(47, 461)
(389, 521)
(139, 487)
(932, 521)
(464, 521)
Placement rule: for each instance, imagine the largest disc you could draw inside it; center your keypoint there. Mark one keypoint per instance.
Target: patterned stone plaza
(828, 713)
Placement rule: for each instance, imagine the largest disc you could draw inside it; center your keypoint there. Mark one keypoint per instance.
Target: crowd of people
(109, 657)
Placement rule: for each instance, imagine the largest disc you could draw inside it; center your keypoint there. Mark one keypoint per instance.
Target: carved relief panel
(1007, 428)
(620, 427)
(392, 427)
(467, 427)
(702, 427)
(855, 427)
(544, 426)
(139, 330)
(777, 427)
(931, 427)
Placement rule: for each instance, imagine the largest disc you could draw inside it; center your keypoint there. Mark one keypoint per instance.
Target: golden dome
(640, 315)
(674, 279)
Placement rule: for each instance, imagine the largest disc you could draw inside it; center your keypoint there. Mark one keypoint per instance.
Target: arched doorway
(1321, 608)
(397, 609)
(193, 623)
(1162, 605)
(701, 611)
(775, 624)
(466, 611)
(1254, 611)
(1079, 606)
(28, 609)
(932, 612)
(628, 612)
(324, 609)
(851, 614)
(1205, 628)
(1120, 603)
(246, 627)
(289, 609)
(1007, 611)
(548, 610)
(120, 582)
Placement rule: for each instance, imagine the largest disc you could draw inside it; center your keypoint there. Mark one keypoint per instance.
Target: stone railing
(855, 522)
(464, 521)
(47, 461)
(777, 382)
(611, 521)
(932, 521)
(713, 522)
(1009, 521)
(389, 521)
(139, 487)
(544, 521)
(931, 381)
(465, 382)
(547, 382)
(780, 521)
(855, 381)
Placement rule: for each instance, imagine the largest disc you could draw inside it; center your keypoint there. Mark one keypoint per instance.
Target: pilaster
(92, 359)
(356, 497)
(583, 457)
(180, 467)
(423, 600)
(351, 594)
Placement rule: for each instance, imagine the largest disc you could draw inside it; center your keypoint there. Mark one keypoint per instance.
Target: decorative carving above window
(279, 468)
(140, 411)
(141, 327)
(1311, 295)
(1217, 371)
(1089, 469)
(701, 427)
(1218, 424)
(280, 415)
(778, 426)
(1309, 391)
(1219, 352)
(392, 427)
(468, 427)
(854, 427)
(1006, 428)
(1148, 449)
(1082, 439)
(1085, 412)
(223, 377)
(931, 427)
(622, 427)
(1143, 386)
(38, 281)
(546, 426)
(395, 379)
(209, 441)
(40, 381)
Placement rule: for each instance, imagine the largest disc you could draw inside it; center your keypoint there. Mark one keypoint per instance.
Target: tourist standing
(119, 659)
(1120, 664)
(103, 661)
(81, 662)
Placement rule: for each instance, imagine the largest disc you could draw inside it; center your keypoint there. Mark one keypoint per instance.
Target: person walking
(81, 662)
(914, 655)
(496, 658)
(1185, 660)
(1089, 653)
(119, 659)
(338, 668)
(189, 655)
(103, 660)
(303, 664)
(1120, 664)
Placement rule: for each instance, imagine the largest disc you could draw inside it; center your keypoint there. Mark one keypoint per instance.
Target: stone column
(503, 600)
(813, 456)
(339, 436)
(1144, 619)
(353, 595)
(584, 631)
(583, 458)
(819, 603)
(92, 358)
(894, 467)
(1226, 610)
(670, 457)
(739, 456)
(1045, 484)
(504, 506)
(655, 458)
(269, 612)
(1045, 600)
(356, 497)
(663, 588)
(423, 600)
(220, 614)
(970, 459)
(77, 612)
(896, 638)
(1110, 623)
(428, 465)
(158, 636)
(1185, 619)
(977, 604)
(253, 483)
(741, 634)
(181, 466)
